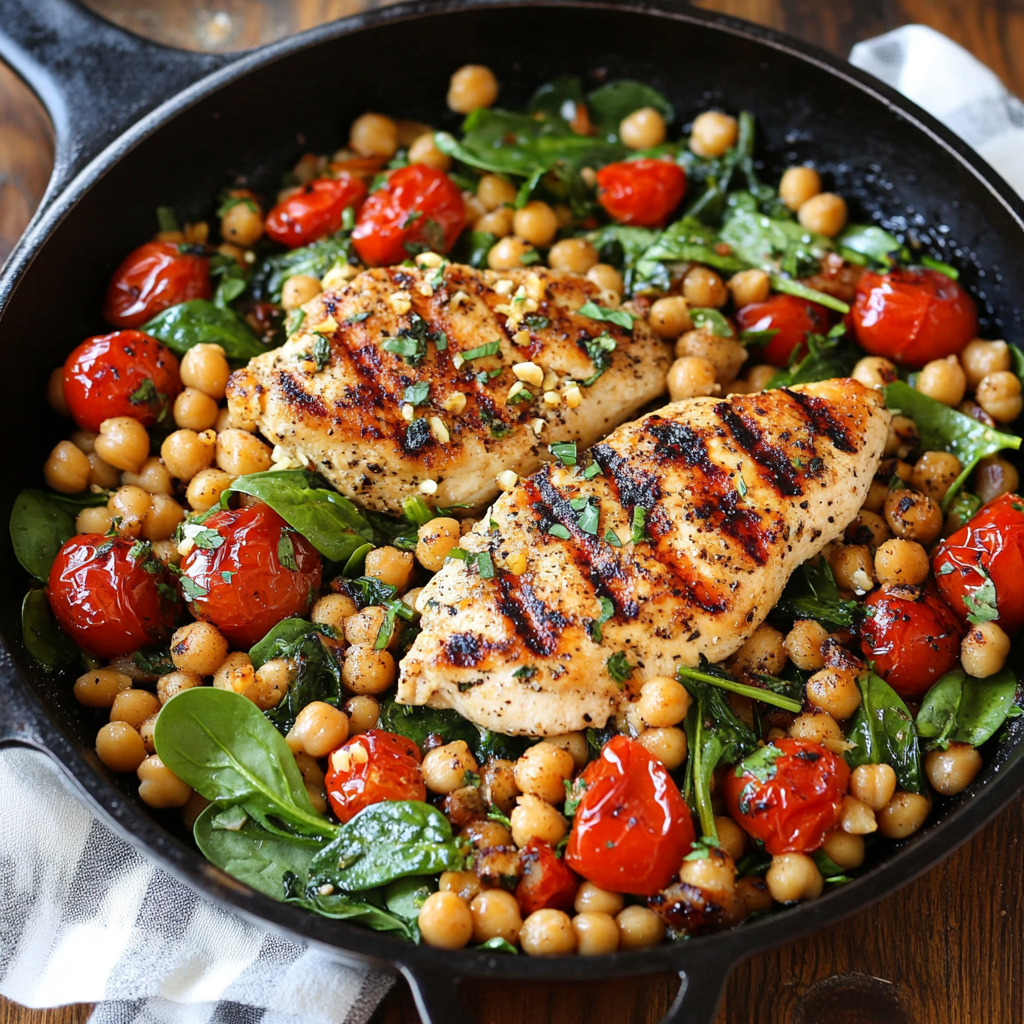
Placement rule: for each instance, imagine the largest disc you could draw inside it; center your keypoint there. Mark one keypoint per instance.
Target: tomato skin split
(371, 768)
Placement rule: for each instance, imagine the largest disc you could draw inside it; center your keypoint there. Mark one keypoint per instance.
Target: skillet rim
(716, 953)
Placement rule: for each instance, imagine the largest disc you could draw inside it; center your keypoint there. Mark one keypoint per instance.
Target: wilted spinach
(882, 731)
(827, 356)
(869, 244)
(44, 639)
(269, 275)
(202, 322)
(812, 594)
(962, 709)
(41, 522)
(686, 241)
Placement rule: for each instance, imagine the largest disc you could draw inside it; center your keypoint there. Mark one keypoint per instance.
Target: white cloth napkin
(85, 918)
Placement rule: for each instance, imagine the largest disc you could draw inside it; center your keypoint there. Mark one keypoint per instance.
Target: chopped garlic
(426, 290)
(359, 755)
(328, 326)
(521, 338)
(550, 381)
(454, 403)
(439, 430)
(401, 302)
(534, 287)
(338, 276)
(537, 425)
(458, 360)
(862, 582)
(573, 397)
(428, 259)
(428, 487)
(551, 398)
(516, 388)
(516, 563)
(529, 372)
(503, 287)
(458, 299)
(408, 412)
(507, 480)
(341, 760)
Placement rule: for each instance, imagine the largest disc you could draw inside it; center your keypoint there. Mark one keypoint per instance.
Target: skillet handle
(94, 79)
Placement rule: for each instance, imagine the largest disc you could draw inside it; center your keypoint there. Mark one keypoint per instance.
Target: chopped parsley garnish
(485, 375)
(525, 672)
(490, 349)
(982, 602)
(226, 576)
(588, 519)
(607, 611)
(536, 322)
(286, 552)
(417, 394)
(612, 538)
(145, 394)
(321, 350)
(619, 317)
(522, 395)
(599, 352)
(191, 589)
(574, 792)
(713, 321)
(528, 257)
(558, 530)
(411, 341)
(619, 668)
(355, 318)
(411, 217)
(564, 451)
(591, 471)
(201, 536)
(481, 559)
(639, 524)
(741, 486)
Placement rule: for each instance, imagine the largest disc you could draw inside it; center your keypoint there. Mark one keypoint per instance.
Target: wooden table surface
(947, 949)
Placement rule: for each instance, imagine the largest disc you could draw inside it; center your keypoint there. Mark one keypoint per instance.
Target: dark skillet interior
(259, 125)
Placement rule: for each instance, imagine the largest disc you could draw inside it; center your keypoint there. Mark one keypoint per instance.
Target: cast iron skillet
(139, 125)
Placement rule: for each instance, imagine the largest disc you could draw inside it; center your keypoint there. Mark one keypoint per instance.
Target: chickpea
(198, 647)
(534, 818)
(903, 815)
(497, 222)
(120, 747)
(714, 873)
(206, 487)
(364, 626)
(535, 223)
(236, 673)
(726, 355)
(363, 713)
(242, 223)
(596, 933)
(868, 528)
(834, 690)
(731, 838)
(389, 565)
(799, 184)
(508, 253)
(749, 286)
(494, 191)
(934, 473)
(298, 290)
(130, 505)
(55, 393)
(670, 316)
(542, 771)
(980, 358)
(713, 134)
(639, 928)
(465, 884)
(575, 255)
(875, 500)
(101, 474)
(643, 129)
(367, 671)
(574, 744)
(852, 567)
(984, 650)
(856, 817)
(334, 610)
(824, 213)
(913, 516)
(444, 768)
(702, 287)
(240, 453)
(663, 702)
(874, 372)
(495, 916)
(845, 849)
(667, 745)
(547, 933)
(93, 520)
(445, 921)
(195, 410)
(792, 877)
(374, 135)
(159, 787)
(185, 455)
(593, 900)
(153, 477)
(320, 728)
(67, 469)
(472, 86)
(85, 440)
(902, 437)
(691, 377)
(147, 731)
(123, 443)
(763, 652)
(995, 477)
(944, 380)
(901, 561)
(423, 151)
(873, 784)
(99, 688)
(162, 518)
(606, 277)
(173, 683)
(434, 540)
(498, 784)
(952, 770)
(803, 645)
(133, 707)
(999, 395)
(205, 368)
(819, 727)
(754, 893)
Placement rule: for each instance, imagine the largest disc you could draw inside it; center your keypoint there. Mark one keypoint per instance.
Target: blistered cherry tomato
(913, 316)
(370, 768)
(110, 595)
(641, 192)
(418, 208)
(791, 317)
(152, 278)
(546, 881)
(315, 211)
(992, 545)
(126, 373)
(788, 794)
(912, 637)
(248, 570)
(632, 827)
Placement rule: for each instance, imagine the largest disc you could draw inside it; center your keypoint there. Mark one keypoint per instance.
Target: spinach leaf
(498, 945)
(39, 527)
(341, 906)
(251, 853)
(269, 275)
(558, 98)
(622, 246)
(869, 244)
(812, 594)
(200, 321)
(826, 357)
(724, 681)
(804, 291)
(315, 673)
(714, 736)
(404, 896)
(220, 744)
(497, 745)
(962, 709)
(882, 730)
(417, 722)
(328, 520)
(686, 241)
(610, 104)
(386, 841)
(944, 429)
(44, 639)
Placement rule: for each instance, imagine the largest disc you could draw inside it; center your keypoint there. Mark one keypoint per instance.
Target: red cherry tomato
(152, 278)
(793, 318)
(546, 881)
(912, 637)
(260, 572)
(110, 595)
(799, 801)
(632, 827)
(641, 192)
(913, 316)
(315, 211)
(126, 373)
(418, 208)
(373, 767)
(991, 544)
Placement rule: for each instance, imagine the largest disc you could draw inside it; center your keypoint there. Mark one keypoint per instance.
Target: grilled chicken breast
(675, 541)
(449, 375)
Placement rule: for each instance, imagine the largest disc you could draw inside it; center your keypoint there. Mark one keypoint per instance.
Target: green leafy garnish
(619, 317)
(962, 709)
(607, 611)
(491, 348)
(619, 668)
(564, 451)
(882, 730)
